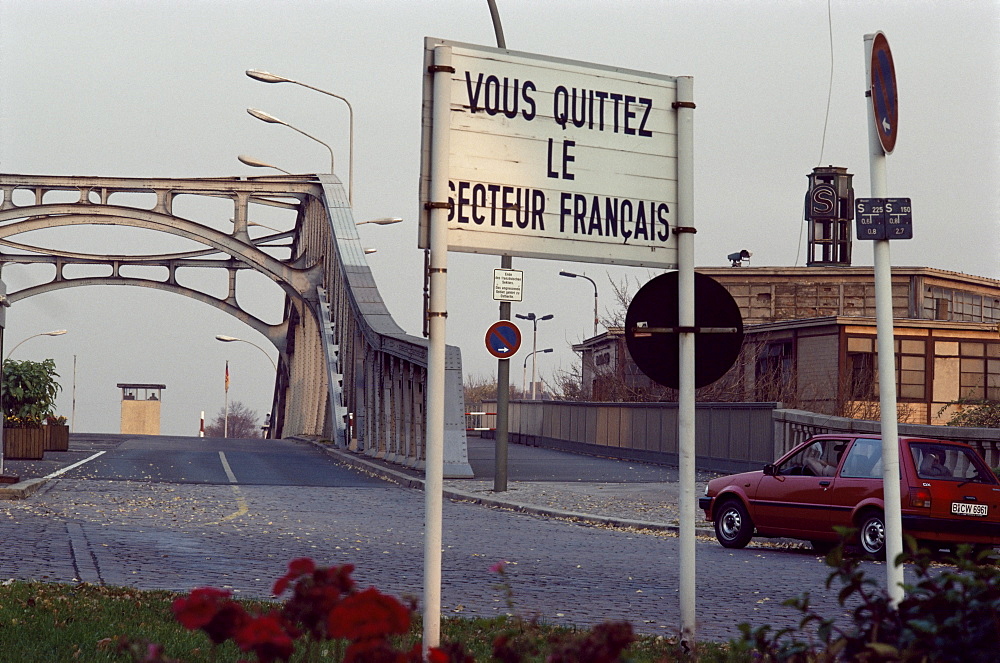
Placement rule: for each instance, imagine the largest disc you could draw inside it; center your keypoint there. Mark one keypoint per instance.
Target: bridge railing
(729, 437)
(376, 372)
(794, 426)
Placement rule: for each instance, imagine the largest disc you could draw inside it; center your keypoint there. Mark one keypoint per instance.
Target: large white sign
(553, 158)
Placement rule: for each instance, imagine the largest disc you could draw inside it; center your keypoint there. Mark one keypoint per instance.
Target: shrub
(950, 614)
(29, 392)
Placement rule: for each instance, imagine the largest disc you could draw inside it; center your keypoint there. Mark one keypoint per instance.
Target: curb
(21, 489)
(408, 481)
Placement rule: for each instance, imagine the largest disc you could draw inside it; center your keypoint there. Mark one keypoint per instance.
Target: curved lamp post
(57, 332)
(267, 117)
(233, 339)
(584, 276)
(534, 345)
(524, 370)
(257, 163)
(267, 77)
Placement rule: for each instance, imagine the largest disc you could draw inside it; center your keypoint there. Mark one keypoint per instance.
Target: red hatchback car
(949, 495)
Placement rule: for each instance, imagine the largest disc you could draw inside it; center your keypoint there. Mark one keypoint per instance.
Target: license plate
(965, 509)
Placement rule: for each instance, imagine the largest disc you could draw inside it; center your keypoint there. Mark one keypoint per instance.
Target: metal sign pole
(503, 365)
(503, 405)
(686, 359)
(436, 313)
(886, 361)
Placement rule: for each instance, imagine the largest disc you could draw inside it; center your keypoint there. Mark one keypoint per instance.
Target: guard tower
(829, 213)
(141, 408)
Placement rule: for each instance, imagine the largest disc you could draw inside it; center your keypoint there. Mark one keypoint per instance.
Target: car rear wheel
(733, 527)
(872, 534)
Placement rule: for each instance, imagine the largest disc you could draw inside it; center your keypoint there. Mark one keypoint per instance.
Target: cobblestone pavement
(158, 535)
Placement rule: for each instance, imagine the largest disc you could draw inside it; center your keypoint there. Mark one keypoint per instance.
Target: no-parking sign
(503, 339)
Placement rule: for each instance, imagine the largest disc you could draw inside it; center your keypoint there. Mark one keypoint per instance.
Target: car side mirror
(770, 470)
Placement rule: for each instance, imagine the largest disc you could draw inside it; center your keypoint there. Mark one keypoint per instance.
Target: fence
(729, 437)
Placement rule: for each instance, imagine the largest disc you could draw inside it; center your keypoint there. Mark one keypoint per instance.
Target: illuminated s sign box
(553, 158)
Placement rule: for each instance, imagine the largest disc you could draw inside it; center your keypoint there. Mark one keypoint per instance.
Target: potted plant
(57, 433)
(29, 395)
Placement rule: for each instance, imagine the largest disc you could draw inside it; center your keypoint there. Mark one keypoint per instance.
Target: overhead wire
(826, 117)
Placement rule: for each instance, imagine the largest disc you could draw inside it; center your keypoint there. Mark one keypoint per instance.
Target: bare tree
(243, 423)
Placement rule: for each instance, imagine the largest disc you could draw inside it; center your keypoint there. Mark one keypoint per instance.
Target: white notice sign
(507, 285)
(554, 158)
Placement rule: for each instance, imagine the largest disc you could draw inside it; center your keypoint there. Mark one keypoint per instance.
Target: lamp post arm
(350, 116)
(332, 161)
(593, 283)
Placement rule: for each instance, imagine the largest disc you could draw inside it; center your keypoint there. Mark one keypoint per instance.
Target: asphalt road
(164, 513)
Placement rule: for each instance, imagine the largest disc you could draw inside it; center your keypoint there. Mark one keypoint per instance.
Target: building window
(980, 371)
(862, 369)
(862, 382)
(773, 373)
(911, 369)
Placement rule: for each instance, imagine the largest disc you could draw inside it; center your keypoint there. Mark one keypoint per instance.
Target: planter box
(56, 437)
(24, 443)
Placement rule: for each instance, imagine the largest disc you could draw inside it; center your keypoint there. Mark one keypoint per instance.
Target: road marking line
(73, 466)
(244, 508)
(225, 466)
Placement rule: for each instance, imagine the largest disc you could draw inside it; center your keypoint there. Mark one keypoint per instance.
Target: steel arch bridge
(346, 371)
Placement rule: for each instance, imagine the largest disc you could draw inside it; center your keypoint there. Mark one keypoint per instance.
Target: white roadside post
(686, 360)
(886, 358)
(437, 312)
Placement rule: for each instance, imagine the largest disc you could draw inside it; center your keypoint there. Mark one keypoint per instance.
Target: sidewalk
(545, 482)
(33, 474)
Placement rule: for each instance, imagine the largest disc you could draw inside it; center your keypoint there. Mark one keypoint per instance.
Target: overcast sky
(157, 89)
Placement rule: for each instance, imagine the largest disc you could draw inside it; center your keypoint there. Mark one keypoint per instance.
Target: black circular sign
(654, 307)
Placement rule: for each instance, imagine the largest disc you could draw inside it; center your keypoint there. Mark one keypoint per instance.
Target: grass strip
(86, 623)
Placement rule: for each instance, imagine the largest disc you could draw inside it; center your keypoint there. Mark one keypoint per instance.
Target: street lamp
(267, 77)
(57, 332)
(584, 276)
(534, 346)
(267, 117)
(257, 163)
(524, 370)
(233, 339)
(385, 221)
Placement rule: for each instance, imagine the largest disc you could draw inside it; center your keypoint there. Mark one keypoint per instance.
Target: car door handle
(824, 483)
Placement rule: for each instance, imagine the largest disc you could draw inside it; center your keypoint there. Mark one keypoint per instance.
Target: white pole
(437, 311)
(886, 360)
(686, 347)
(72, 412)
(534, 358)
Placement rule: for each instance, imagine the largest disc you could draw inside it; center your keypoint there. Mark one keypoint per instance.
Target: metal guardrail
(376, 371)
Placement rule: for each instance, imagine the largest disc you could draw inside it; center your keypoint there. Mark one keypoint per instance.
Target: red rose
(368, 614)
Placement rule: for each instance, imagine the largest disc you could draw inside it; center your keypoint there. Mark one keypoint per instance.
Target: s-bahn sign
(554, 158)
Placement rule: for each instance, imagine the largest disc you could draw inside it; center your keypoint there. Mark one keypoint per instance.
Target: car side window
(939, 461)
(863, 460)
(817, 459)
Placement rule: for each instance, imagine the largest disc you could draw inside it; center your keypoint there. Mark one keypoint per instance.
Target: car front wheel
(872, 534)
(733, 527)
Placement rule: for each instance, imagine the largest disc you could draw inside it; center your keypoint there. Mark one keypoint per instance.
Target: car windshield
(948, 462)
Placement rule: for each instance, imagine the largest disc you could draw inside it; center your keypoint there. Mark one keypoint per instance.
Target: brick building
(810, 341)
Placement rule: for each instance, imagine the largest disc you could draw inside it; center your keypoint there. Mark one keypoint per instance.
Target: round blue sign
(503, 339)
